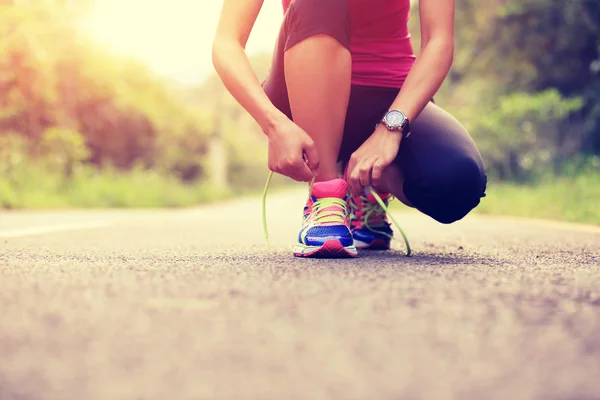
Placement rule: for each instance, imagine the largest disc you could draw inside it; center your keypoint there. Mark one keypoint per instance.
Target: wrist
(393, 137)
(396, 120)
(272, 119)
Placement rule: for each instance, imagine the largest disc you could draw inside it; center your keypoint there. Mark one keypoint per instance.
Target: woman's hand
(292, 152)
(368, 162)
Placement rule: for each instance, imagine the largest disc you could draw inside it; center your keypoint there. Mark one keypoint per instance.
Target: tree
(526, 70)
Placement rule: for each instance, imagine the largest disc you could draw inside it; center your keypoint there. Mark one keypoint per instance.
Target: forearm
(234, 69)
(425, 78)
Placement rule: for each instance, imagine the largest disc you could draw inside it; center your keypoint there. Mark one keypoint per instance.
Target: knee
(460, 190)
(330, 17)
(455, 192)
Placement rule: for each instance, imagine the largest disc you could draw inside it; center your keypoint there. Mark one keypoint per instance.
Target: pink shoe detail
(333, 188)
(358, 205)
(331, 249)
(336, 188)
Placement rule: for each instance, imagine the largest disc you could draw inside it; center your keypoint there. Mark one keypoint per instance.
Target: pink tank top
(382, 52)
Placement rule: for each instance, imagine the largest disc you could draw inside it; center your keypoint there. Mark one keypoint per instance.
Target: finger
(286, 171)
(354, 182)
(285, 168)
(312, 157)
(299, 171)
(377, 172)
(365, 173)
(304, 173)
(350, 166)
(275, 168)
(293, 175)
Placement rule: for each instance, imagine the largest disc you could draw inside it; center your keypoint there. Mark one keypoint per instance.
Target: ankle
(325, 175)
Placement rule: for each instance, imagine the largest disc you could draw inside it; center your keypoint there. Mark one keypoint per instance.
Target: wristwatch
(396, 120)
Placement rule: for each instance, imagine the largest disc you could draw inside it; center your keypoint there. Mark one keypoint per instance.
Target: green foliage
(521, 134)
(526, 82)
(13, 154)
(62, 150)
(34, 186)
(52, 78)
(81, 127)
(573, 199)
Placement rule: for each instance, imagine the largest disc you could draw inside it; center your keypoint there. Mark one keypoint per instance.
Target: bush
(523, 135)
(34, 186)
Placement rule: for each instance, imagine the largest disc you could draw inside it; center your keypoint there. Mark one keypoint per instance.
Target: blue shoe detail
(318, 235)
(370, 228)
(326, 230)
(368, 237)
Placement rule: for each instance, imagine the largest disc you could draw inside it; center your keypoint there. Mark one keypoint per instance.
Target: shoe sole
(330, 249)
(378, 244)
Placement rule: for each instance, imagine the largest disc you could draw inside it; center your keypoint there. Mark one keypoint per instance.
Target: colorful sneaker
(369, 224)
(326, 230)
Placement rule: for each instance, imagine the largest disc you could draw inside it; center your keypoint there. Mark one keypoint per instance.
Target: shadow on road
(428, 259)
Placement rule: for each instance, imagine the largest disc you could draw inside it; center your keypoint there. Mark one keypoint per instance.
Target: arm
(289, 145)
(434, 61)
(232, 64)
(423, 81)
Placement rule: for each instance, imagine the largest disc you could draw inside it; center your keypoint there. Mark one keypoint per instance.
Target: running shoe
(369, 222)
(326, 230)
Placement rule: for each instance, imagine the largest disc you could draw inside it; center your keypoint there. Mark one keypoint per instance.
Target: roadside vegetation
(80, 127)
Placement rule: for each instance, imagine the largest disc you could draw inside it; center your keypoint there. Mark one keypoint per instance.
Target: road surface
(188, 304)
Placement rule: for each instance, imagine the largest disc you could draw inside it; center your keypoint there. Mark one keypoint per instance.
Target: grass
(573, 199)
(34, 188)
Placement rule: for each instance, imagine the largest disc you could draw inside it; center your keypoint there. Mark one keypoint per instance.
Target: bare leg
(318, 73)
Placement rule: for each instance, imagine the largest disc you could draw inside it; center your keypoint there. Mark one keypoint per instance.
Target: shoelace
(336, 212)
(369, 215)
(310, 187)
(370, 209)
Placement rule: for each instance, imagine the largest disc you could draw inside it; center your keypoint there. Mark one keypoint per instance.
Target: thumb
(312, 156)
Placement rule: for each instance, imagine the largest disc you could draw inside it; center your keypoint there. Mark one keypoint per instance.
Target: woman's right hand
(292, 152)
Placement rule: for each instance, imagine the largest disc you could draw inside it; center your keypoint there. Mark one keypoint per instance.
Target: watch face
(395, 118)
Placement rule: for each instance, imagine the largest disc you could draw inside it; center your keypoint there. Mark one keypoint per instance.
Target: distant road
(189, 304)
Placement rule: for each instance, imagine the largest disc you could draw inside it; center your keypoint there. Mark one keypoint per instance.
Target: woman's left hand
(368, 162)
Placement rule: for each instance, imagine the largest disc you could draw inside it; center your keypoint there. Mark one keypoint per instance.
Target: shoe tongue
(333, 188)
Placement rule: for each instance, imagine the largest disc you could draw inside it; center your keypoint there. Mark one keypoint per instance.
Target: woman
(345, 86)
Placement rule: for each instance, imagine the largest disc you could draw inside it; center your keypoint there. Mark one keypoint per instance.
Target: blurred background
(112, 103)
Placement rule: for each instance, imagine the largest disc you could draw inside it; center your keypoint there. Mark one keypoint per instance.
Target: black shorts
(443, 170)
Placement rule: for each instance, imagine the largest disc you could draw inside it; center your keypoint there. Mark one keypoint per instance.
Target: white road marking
(42, 230)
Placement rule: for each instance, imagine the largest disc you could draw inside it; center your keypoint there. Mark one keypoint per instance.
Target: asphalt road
(189, 305)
